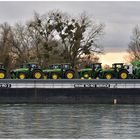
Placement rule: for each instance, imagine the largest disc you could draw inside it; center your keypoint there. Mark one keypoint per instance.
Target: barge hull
(70, 95)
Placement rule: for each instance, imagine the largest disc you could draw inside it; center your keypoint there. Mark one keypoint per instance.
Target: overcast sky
(119, 17)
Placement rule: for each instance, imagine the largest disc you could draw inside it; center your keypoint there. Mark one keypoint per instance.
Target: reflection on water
(69, 121)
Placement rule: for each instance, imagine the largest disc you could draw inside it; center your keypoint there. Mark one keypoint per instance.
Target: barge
(74, 91)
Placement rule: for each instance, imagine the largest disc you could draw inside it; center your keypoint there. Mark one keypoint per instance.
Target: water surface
(69, 121)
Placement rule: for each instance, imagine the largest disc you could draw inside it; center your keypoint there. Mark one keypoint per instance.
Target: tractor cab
(29, 65)
(1, 66)
(55, 66)
(96, 66)
(32, 65)
(118, 66)
(66, 66)
(62, 66)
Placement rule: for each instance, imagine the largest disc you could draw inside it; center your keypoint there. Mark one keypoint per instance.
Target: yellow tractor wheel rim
(69, 75)
(123, 75)
(37, 75)
(2, 75)
(86, 75)
(54, 76)
(108, 76)
(22, 76)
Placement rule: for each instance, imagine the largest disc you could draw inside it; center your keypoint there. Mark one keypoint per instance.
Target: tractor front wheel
(21, 75)
(37, 74)
(54, 76)
(2, 74)
(69, 74)
(86, 75)
(108, 76)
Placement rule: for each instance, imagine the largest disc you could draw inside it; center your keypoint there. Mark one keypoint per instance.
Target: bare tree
(5, 44)
(78, 35)
(21, 44)
(134, 45)
(50, 38)
(42, 27)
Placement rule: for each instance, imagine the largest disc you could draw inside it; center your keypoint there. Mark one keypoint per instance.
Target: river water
(69, 121)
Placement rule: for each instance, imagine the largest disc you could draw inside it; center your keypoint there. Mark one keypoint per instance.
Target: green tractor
(136, 69)
(90, 72)
(27, 71)
(2, 71)
(118, 71)
(58, 71)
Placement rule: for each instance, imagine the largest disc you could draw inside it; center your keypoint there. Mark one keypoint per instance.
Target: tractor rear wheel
(37, 74)
(123, 74)
(69, 74)
(108, 76)
(54, 76)
(2, 74)
(21, 75)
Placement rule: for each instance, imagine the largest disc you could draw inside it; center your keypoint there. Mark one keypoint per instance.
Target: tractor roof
(117, 63)
(55, 64)
(66, 63)
(32, 63)
(62, 64)
(97, 63)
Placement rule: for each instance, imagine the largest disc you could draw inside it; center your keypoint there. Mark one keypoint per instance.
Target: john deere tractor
(27, 71)
(2, 71)
(58, 71)
(118, 71)
(136, 69)
(90, 72)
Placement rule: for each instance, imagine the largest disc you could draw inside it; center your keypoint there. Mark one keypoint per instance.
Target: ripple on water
(69, 121)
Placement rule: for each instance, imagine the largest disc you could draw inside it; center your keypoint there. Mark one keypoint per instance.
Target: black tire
(108, 75)
(123, 74)
(69, 74)
(22, 74)
(3, 72)
(37, 74)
